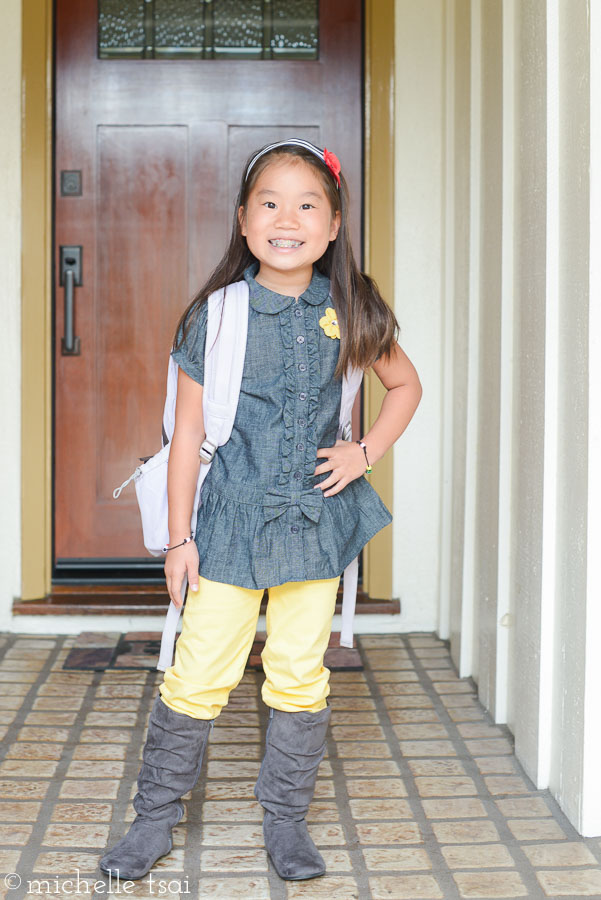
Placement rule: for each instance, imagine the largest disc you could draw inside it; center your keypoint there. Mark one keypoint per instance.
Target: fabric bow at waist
(275, 503)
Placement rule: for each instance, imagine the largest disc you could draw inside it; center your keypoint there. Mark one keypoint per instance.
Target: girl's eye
(307, 206)
(269, 204)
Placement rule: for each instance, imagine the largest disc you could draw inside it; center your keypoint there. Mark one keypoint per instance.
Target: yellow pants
(218, 629)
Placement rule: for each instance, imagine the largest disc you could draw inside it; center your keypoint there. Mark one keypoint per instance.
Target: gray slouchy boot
(172, 759)
(295, 746)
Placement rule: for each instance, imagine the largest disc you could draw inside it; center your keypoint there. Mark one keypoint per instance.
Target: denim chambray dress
(260, 521)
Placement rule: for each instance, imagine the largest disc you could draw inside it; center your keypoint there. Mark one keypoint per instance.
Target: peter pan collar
(266, 301)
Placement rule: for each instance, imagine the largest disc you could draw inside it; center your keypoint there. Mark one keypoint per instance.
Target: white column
(505, 596)
(551, 388)
(466, 662)
(418, 261)
(529, 370)
(448, 308)
(566, 728)
(591, 801)
(10, 304)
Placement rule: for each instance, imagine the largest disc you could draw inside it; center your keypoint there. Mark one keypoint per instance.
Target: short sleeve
(190, 355)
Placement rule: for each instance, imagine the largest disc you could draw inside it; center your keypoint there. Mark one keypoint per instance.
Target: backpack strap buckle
(347, 431)
(207, 451)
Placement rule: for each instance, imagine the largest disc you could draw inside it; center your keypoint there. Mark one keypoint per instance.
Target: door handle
(70, 278)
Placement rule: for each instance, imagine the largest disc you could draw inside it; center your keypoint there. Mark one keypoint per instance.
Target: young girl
(285, 505)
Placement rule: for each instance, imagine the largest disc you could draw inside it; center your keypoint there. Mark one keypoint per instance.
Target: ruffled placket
(290, 424)
(312, 344)
(298, 445)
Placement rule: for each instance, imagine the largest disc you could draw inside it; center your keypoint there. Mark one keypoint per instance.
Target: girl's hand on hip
(179, 562)
(345, 460)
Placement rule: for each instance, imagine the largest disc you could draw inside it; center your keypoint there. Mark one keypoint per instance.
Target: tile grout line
(440, 870)
(132, 765)
(18, 721)
(431, 684)
(274, 883)
(346, 818)
(277, 887)
(192, 827)
(26, 849)
(33, 847)
(494, 814)
(523, 866)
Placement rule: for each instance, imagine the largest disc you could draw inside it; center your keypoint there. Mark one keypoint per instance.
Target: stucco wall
(418, 258)
(489, 361)
(591, 779)
(457, 284)
(10, 288)
(520, 586)
(530, 242)
(572, 275)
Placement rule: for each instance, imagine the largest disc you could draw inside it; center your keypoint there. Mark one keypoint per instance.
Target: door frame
(37, 161)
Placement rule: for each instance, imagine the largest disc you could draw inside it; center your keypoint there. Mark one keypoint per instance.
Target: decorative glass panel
(294, 30)
(238, 27)
(208, 29)
(121, 28)
(179, 28)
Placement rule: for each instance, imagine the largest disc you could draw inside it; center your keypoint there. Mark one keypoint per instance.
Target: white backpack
(227, 329)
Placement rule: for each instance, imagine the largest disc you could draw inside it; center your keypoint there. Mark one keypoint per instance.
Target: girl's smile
(285, 244)
(288, 223)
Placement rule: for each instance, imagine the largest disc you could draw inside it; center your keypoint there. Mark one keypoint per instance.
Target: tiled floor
(419, 797)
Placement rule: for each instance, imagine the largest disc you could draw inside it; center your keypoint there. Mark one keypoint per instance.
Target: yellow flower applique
(329, 323)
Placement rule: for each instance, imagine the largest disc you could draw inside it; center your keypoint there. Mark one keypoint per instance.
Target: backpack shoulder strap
(225, 351)
(350, 385)
(170, 398)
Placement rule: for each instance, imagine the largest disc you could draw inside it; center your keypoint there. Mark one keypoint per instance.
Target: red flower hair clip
(333, 164)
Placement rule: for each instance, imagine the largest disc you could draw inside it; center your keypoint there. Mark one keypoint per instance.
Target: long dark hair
(368, 327)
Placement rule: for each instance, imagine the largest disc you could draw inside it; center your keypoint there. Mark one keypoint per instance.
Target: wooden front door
(155, 114)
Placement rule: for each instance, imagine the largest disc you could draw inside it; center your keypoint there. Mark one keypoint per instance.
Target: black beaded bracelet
(187, 540)
(364, 448)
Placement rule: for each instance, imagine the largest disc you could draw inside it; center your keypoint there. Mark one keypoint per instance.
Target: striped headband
(326, 156)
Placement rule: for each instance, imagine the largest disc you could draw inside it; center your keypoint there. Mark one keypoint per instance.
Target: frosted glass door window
(208, 29)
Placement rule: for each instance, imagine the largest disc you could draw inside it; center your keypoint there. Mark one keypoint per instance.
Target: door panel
(142, 174)
(159, 146)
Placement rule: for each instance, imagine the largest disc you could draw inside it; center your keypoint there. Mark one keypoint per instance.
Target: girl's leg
(217, 631)
(299, 624)
(172, 758)
(299, 621)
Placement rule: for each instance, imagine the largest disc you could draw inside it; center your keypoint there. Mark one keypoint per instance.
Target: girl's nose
(287, 217)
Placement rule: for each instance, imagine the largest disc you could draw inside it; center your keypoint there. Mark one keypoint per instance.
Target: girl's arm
(182, 476)
(403, 393)
(346, 460)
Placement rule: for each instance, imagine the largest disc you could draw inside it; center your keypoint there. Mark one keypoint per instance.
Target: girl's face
(288, 223)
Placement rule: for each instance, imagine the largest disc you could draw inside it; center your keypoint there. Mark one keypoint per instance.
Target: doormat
(98, 651)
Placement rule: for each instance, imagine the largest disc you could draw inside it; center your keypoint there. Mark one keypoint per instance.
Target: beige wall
(419, 304)
(457, 284)
(10, 305)
(574, 294)
(519, 585)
